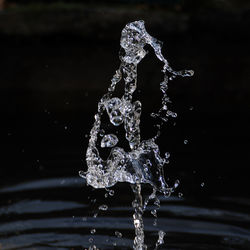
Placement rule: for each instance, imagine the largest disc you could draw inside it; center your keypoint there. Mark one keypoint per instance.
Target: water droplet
(191, 108)
(189, 72)
(167, 155)
(176, 184)
(118, 234)
(202, 184)
(93, 231)
(103, 207)
(113, 107)
(180, 195)
(160, 240)
(154, 212)
(82, 174)
(94, 247)
(172, 114)
(157, 202)
(91, 240)
(111, 192)
(109, 141)
(65, 127)
(155, 222)
(102, 132)
(185, 141)
(153, 115)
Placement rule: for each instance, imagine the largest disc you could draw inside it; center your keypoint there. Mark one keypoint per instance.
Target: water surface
(57, 213)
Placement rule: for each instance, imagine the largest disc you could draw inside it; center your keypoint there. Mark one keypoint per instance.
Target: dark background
(57, 59)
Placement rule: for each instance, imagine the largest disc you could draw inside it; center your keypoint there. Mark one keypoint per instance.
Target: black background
(57, 59)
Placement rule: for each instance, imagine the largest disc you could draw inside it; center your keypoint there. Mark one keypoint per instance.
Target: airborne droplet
(109, 141)
(103, 207)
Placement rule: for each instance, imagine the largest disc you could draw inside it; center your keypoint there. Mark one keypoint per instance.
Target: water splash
(143, 163)
(160, 240)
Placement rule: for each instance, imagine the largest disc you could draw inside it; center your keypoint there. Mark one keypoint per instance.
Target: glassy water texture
(143, 162)
(59, 214)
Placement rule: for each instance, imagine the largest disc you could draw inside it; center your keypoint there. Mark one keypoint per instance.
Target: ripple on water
(65, 224)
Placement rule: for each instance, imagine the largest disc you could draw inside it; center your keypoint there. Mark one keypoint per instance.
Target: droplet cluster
(142, 163)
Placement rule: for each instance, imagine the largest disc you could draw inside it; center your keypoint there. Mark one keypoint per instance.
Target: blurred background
(57, 59)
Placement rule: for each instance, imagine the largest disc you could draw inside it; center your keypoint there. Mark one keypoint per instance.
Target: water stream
(143, 163)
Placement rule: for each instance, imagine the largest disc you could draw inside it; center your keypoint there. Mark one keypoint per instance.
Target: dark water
(57, 213)
(50, 86)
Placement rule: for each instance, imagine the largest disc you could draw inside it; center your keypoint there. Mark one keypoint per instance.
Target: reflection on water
(58, 214)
